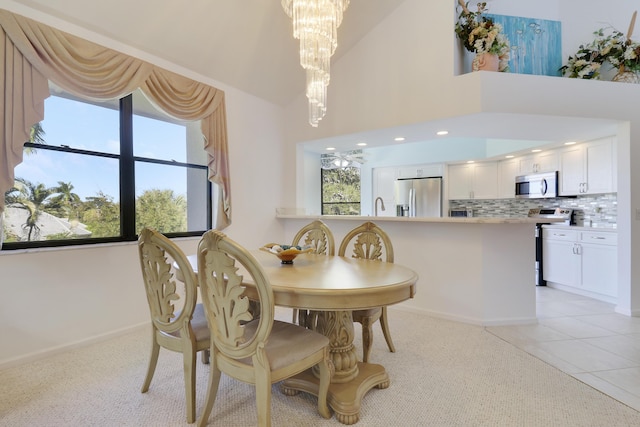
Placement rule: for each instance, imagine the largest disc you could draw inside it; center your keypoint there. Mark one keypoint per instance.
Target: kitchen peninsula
(473, 270)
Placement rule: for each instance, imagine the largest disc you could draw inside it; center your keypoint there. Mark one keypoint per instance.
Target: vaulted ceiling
(247, 44)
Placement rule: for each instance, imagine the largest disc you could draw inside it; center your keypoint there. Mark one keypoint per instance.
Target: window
(341, 191)
(100, 171)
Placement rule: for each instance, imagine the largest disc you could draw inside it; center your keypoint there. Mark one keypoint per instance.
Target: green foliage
(66, 203)
(162, 210)
(612, 46)
(101, 215)
(60, 236)
(36, 136)
(341, 191)
(34, 199)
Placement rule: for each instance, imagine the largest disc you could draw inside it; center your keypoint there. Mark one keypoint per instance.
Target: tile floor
(585, 338)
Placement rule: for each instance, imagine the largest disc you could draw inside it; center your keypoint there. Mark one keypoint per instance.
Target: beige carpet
(443, 374)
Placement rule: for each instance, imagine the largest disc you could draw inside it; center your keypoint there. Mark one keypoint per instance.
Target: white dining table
(333, 286)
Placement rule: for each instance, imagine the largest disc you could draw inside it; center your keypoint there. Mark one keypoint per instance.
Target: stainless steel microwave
(537, 186)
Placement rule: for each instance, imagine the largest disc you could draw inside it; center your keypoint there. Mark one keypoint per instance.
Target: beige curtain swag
(33, 53)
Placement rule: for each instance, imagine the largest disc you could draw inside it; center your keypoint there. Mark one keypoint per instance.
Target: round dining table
(330, 287)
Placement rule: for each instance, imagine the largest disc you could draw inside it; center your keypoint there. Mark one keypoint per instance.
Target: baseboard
(463, 319)
(43, 354)
(584, 293)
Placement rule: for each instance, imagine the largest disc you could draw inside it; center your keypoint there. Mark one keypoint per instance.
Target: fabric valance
(33, 53)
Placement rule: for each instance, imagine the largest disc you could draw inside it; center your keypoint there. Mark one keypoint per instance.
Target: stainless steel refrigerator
(419, 197)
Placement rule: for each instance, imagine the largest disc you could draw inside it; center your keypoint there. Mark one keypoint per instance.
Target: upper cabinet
(420, 171)
(473, 181)
(588, 168)
(507, 172)
(545, 161)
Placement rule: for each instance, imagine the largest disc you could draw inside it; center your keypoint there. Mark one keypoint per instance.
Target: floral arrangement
(615, 48)
(480, 34)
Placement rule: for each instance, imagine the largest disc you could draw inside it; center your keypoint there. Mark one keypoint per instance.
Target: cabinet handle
(559, 234)
(598, 237)
(583, 187)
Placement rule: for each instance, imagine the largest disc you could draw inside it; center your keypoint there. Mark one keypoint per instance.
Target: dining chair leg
(205, 356)
(386, 331)
(367, 339)
(263, 393)
(325, 372)
(153, 361)
(212, 391)
(189, 358)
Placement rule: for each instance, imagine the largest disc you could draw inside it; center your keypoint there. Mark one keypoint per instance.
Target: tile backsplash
(598, 210)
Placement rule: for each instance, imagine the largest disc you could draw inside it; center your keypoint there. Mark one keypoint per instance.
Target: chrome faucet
(376, 205)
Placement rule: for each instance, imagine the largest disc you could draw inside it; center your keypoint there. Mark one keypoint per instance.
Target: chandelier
(315, 24)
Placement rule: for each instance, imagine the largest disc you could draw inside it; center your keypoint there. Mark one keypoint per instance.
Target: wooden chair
(258, 351)
(370, 242)
(178, 322)
(317, 235)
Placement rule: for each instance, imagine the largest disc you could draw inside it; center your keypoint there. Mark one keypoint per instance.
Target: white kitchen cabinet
(383, 185)
(584, 261)
(473, 181)
(420, 171)
(507, 172)
(545, 161)
(560, 262)
(599, 253)
(588, 168)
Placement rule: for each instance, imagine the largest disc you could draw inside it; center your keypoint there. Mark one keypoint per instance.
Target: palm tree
(33, 198)
(36, 136)
(66, 201)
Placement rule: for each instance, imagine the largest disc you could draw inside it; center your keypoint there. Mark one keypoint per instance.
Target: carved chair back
(369, 242)
(227, 307)
(318, 236)
(171, 310)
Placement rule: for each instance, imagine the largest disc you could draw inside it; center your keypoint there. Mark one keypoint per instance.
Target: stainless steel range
(555, 213)
(544, 214)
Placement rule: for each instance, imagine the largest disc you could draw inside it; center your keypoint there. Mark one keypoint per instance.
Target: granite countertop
(459, 220)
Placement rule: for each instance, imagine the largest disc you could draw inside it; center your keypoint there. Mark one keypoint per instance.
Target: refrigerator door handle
(412, 202)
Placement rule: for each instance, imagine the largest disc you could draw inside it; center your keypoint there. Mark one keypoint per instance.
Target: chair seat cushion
(198, 324)
(288, 343)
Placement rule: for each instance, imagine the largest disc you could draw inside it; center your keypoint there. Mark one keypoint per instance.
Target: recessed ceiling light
(362, 144)
(537, 150)
(469, 161)
(330, 148)
(569, 143)
(510, 156)
(442, 132)
(399, 139)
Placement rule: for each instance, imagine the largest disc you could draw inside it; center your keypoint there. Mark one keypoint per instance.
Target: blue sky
(85, 126)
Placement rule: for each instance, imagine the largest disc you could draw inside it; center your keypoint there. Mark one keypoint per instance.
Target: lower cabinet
(584, 261)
